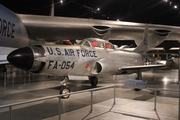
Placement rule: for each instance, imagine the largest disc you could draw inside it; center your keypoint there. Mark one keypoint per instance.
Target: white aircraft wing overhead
(59, 28)
(142, 67)
(4, 51)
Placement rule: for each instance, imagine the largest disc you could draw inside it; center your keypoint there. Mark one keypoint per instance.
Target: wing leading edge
(3, 59)
(142, 67)
(61, 28)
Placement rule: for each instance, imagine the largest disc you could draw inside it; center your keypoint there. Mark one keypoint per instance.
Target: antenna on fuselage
(52, 9)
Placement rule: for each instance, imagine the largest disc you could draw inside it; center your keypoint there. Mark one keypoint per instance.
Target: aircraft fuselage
(78, 60)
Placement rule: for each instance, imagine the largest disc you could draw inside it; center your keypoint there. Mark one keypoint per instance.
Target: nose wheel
(63, 91)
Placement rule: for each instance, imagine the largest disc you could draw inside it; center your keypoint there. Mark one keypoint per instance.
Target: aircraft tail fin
(143, 47)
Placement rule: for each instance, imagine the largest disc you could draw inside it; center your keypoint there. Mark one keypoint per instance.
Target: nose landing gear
(64, 89)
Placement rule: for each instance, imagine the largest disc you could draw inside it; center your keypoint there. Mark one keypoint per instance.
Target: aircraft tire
(93, 81)
(64, 90)
(137, 89)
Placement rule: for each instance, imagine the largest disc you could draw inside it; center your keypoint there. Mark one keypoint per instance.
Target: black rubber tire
(93, 80)
(137, 89)
(64, 90)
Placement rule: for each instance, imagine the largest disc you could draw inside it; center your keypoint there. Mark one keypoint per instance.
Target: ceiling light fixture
(61, 1)
(170, 3)
(175, 6)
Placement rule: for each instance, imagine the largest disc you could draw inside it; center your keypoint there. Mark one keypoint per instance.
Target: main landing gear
(93, 80)
(139, 77)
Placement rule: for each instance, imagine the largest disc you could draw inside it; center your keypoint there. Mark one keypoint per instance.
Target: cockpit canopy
(96, 42)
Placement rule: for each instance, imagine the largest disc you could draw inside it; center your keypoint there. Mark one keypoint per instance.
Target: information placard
(136, 83)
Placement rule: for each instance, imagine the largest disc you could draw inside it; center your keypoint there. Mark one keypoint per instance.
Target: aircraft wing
(143, 67)
(60, 28)
(4, 51)
(51, 29)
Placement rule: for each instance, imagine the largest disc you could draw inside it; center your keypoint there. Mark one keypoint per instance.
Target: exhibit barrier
(155, 94)
(59, 97)
(10, 106)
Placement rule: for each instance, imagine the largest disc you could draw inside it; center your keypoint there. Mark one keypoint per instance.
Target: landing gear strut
(139, 77)
(93, 80)
(64, 89)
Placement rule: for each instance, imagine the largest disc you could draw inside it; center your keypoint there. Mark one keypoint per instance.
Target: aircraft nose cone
(22, 58)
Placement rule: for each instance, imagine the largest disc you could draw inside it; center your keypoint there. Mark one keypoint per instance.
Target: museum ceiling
(145, 11)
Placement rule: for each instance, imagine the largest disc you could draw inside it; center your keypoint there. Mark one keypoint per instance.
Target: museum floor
(130, 104)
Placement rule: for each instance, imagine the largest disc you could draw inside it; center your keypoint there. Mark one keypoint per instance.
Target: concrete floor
(130, 105)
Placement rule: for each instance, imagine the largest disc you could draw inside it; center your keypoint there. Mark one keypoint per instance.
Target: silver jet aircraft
(86, 59)
(91, 58)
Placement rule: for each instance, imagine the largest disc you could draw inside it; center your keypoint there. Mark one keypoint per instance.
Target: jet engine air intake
(97, 68)
(25, 58)
(102, 67)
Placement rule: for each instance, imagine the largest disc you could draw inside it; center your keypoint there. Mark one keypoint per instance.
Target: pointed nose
(22, 58)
